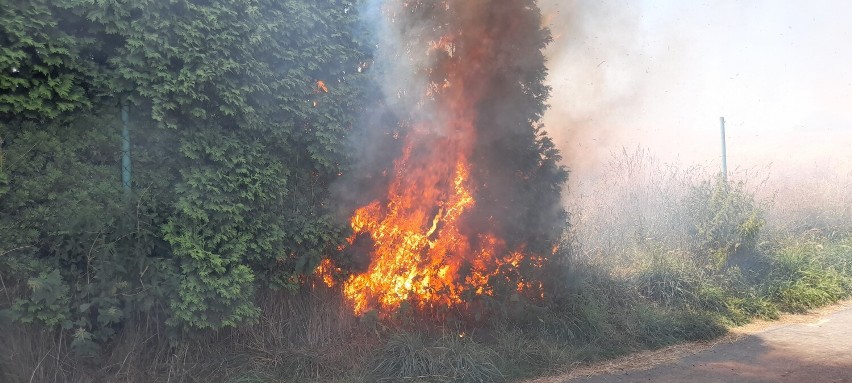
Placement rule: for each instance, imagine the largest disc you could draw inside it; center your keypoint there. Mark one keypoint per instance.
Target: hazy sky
(659, 74)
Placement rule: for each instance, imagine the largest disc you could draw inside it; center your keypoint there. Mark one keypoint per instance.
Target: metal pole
(724, 153)
(125, 145)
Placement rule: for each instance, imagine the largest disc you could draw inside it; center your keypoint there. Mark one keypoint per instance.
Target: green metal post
(724, 152)
(125, 145)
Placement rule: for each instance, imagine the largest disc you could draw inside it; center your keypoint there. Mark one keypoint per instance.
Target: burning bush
(472, 203)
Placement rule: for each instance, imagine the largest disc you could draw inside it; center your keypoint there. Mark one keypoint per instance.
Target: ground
(815, 347)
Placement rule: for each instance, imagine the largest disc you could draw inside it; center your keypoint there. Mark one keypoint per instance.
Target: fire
(424, 250)
(419, 248)
(321, 87)
(413, 235)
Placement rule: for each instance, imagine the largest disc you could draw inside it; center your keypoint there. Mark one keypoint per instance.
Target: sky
(659, 74)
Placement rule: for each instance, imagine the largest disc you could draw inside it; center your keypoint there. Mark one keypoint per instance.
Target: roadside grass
(655, 256)
(598, 314)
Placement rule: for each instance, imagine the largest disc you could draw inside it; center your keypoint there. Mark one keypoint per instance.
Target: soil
(814, 347)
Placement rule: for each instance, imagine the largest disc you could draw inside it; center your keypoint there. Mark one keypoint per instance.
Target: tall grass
(816, 201)
(655, 255)
(751, 248)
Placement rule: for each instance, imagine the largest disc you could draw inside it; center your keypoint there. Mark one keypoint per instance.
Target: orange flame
(321, 86)
(423, 251)
(420, 253)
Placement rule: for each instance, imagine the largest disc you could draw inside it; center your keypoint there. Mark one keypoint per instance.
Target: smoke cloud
(658, 75)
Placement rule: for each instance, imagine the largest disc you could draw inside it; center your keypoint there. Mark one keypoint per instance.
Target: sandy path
(814, 347)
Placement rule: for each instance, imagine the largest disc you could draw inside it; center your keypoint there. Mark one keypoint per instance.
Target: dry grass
(645, 203)
(818, 201)
(305, 336)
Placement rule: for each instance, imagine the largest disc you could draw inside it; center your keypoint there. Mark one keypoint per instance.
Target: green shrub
(671, 279)
(804, 277)
(233, 153)
(48, 302)
(727, 221)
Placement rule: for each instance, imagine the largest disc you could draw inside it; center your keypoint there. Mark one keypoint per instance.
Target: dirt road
(810, 348)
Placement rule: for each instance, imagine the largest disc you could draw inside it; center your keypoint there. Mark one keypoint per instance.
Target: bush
(804, 277)
(726, 222)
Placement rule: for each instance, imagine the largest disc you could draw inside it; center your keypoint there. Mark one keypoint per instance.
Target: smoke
(463, 191)
(594, 65)
(658, 75)
(467, 73)
(453, 172)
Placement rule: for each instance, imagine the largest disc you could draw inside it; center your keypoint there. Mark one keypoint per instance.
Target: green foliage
(4, 179)
(727, 221)
(261, 142)
(234, 146)
(48, 302)
(42, 71)
(803, 278)
(65, 224)
(791, 278)
(671, 278)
